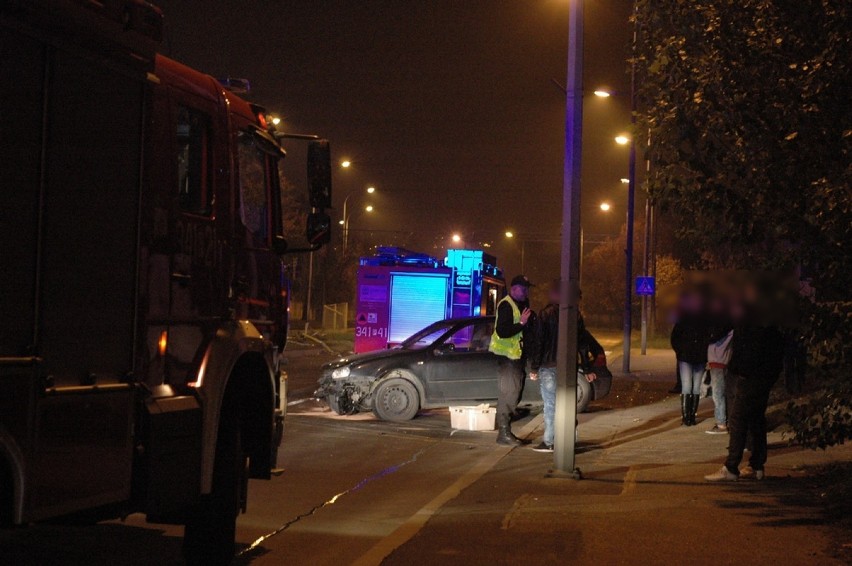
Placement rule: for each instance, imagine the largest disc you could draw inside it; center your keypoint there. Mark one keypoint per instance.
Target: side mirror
(279, 245)
(319, 174)
(319, 228)
(445, 348)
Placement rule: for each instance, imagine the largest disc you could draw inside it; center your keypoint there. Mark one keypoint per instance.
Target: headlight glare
(340, 373)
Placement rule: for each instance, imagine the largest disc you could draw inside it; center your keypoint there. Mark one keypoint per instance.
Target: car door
(460, 367)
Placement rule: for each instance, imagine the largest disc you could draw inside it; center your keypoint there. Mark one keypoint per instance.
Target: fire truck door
(257, 280)
(196, 289)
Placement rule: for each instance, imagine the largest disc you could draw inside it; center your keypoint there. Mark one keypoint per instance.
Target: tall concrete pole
(631, 196)
(566, 358)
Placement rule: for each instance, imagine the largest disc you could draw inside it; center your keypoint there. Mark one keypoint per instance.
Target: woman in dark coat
(690, 337)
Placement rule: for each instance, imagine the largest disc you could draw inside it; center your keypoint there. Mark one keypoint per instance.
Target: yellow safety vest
(507, 347)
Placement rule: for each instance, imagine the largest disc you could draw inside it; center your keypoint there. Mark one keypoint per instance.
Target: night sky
(446, 106)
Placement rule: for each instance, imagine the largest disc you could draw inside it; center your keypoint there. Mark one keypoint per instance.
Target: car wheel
(584, 393)
(333, 403)
(396, 400)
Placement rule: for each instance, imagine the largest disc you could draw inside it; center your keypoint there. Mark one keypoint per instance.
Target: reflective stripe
(507, 347)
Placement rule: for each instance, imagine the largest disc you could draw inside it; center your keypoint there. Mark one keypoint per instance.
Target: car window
(427, 336)
(474, 337)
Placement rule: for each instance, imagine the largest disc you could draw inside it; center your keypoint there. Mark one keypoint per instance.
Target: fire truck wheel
(210, 533)
(396, 399)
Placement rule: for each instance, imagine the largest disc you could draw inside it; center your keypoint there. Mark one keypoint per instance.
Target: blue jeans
(717, 383)
(547, 383)
(690, 377)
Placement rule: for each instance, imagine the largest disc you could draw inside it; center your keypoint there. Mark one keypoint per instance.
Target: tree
(747, 102)
(603, 279)
(747, 105)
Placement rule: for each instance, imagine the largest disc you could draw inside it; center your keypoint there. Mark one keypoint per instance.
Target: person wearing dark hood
(591, 359)
(507, 341)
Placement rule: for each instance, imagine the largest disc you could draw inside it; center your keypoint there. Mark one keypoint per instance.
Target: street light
(456, 238)
(509, 234)
(601, 93)
(605, 206)
(622, 139)
(345, 221)
(625, 181)
(346, 164)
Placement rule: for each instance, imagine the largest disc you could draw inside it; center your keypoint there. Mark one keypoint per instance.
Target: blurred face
(519, 292)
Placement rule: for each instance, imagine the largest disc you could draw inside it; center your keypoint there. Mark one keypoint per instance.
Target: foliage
(603, 277)
(747, 107)
(747, 103)
(824, 418)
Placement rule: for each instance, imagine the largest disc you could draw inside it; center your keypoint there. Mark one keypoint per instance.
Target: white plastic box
(473, 417)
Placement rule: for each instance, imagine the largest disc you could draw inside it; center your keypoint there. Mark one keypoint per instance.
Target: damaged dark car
(446, 363)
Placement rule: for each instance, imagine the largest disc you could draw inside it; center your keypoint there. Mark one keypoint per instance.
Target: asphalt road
(347, 482)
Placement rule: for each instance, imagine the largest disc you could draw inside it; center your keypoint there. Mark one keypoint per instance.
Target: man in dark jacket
(757, 359)
(542, 353)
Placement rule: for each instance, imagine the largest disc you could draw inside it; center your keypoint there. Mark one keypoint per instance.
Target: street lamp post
(345, 221)
(566, 358)
(631, 195)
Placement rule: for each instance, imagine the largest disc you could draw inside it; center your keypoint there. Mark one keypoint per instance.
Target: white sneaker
(722, 475)
(751, 474)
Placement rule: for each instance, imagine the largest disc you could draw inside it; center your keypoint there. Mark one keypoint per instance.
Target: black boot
(685, 406)
(504, 432)
(693, 408)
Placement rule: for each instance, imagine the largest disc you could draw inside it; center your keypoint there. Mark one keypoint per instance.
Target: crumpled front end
(344, 396)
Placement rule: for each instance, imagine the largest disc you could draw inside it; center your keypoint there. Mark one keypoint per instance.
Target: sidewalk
(643, 500)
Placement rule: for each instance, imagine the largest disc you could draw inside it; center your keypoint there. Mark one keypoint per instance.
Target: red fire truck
(143, 300)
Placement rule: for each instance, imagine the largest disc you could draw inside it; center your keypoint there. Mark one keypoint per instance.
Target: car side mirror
(319, 174)
(445, 349)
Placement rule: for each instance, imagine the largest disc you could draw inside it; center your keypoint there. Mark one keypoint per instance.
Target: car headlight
(340, 373)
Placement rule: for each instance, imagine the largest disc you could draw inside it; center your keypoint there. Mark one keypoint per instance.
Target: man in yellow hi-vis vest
(507, 341)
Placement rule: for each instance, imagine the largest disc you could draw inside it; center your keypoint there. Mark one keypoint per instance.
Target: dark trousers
(748, 417)
(510, 382)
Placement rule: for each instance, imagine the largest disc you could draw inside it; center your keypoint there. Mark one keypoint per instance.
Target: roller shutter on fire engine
(416, 302)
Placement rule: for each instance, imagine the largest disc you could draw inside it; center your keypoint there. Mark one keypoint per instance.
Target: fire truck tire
(210, 534)
(396, 399)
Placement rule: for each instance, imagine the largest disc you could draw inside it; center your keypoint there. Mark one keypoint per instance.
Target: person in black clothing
(690, 337)
(542, 356)
(756, 362)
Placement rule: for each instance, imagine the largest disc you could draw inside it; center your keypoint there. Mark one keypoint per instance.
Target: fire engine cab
(143, 300)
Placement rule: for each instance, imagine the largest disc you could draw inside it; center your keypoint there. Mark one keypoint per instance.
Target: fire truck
(143, 298)
(401, 292)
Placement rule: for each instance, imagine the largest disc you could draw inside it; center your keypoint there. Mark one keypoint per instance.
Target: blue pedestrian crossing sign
(645, 286)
